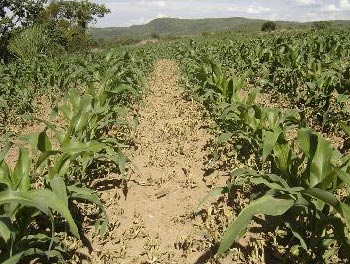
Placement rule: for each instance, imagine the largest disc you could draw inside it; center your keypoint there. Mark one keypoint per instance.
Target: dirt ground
(155, 222)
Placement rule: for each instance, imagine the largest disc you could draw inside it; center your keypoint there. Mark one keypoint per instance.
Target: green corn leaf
(345, 127)
(44, 143)
(214, 192)
(346, 213)
(321, 166)
(75, 147)
(324, 196)
(330, 199)
(240, 172)
(266, 205)
(269, 141)
(14, 259)
(266, 182)
(216, 69)
(344, 176)
(58, 186)
(122, 162)
(21, 171)
(44, 156)
(43, 200)
(251, 120)
(60, 136)
(5, 231)
(123, 87)
(33, 251)
(282, 156)
(252, 95)
(5, 175)
(343, 98)
(80, 120)
(67, 112)
(31, 139)
(230, 90)
(61, 166)
(89, 195)
(74, 98)
(304, 139)
(297, 235)
(5, 150)
(272, 117)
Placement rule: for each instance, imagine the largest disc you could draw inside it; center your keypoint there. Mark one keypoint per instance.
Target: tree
(16, 14)
(68, 21)
(75, 13)
(155, 35)
(269, 26)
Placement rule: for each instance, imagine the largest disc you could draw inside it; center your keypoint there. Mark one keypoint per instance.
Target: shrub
(155, 35)
(269, 26)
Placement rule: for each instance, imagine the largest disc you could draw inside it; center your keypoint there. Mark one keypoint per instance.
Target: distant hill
(180, 27)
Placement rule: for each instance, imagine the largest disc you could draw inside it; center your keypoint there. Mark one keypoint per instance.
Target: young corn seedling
(21, 207)
(301, 187)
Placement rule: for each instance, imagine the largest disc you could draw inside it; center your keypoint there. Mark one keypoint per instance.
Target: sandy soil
(154, 222)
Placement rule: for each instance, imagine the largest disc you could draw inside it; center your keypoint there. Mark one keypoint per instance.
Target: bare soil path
(154, 223)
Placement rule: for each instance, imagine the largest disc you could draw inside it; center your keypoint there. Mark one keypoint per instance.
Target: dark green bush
(269, 26)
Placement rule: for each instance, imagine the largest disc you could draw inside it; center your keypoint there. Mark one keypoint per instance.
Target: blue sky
(131, 12)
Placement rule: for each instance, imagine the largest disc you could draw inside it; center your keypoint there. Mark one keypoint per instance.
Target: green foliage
(154, 35)
(68, 22)
(297, 177)
(186, 27)
(322, 25)
(66, 157)
(20, 206)
(306, 182)
(62, 23)
(14, 14)
(74, 13)
(32, 42)
(269, 26)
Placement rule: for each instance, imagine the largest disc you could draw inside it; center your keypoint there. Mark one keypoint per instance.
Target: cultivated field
(229, 148)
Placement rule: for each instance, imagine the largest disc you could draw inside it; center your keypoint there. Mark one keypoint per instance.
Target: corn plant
(21, 206)
(66, 154)
(302, 180)
(302, 187)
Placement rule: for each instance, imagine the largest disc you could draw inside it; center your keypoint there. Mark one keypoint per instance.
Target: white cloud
(154, 3)
(160, 15)
(344, 5)
(305, 2)
(235, 9)
(252, 9)
(257, 10)
(330, 8)
(140, 21)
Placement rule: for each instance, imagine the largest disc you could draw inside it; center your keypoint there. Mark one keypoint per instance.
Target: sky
(135, 12)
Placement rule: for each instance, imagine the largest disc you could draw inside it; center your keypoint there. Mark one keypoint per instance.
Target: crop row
(296, 175)
(310, 69)
(40, 193)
